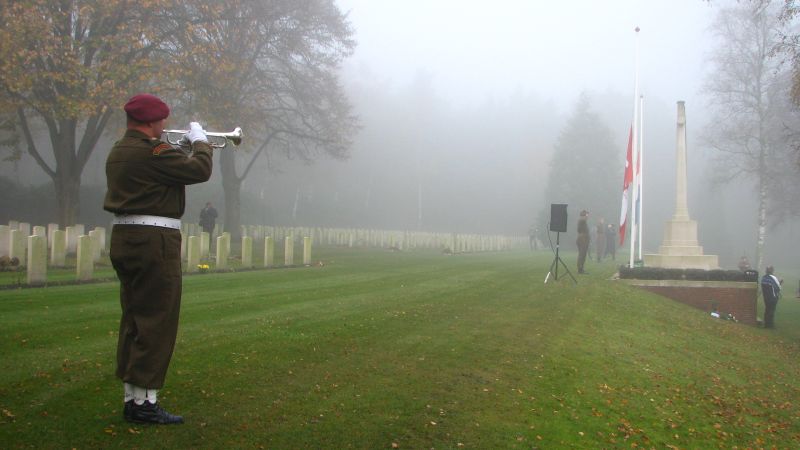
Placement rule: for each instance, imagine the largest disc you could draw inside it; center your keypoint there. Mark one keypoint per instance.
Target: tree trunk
(67, 179)
(232, 186)
(762, 221)
(67, 190)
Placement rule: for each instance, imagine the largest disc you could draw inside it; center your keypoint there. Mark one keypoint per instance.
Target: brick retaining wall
(737, 298)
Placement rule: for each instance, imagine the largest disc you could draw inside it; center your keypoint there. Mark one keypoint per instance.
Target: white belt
(153, 221)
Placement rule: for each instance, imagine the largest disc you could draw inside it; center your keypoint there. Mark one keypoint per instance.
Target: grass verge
(410, 350)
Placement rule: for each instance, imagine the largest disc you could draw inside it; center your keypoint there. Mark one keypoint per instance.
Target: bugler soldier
(146, 193)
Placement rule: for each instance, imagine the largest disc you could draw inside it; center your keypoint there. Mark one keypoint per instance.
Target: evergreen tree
(586, 168)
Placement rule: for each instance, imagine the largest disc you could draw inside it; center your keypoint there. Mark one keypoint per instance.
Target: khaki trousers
(147, 260)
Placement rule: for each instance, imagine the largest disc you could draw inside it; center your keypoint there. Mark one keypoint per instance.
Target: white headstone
(17, 247)
(85, 256)
(183, 245)
(13, 224)
(288, 255)
(40, 231)
(5, 236)
(72, 239)
(307, 251)
(37, 259)
(269, 251)
(50, 228)
(58, 248)
(193, 254)
(205, 241)
(247, 252)
(96, 245)
(101, 239)
(25, 227)
(81, 228)
(223, 250)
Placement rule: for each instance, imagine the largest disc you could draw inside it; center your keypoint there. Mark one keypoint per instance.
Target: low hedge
(660, 273)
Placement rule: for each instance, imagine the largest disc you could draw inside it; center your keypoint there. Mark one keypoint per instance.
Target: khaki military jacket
(148, 176)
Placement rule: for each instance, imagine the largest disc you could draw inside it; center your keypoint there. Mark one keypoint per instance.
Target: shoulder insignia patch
(160, 148)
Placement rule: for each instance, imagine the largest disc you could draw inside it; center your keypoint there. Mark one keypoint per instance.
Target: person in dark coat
(611, 241)
(146, 181)
(208, 217)
(583, 240)
(771, 290)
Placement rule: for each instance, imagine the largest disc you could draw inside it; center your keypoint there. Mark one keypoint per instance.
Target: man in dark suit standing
(583, 240)
(208, 217)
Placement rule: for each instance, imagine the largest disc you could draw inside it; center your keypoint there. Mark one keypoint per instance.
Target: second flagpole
(634, 227)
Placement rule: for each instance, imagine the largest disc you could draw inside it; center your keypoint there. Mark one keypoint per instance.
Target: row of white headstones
(38, 247)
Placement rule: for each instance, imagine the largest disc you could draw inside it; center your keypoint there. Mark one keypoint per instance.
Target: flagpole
(634, 191)
(640, 198)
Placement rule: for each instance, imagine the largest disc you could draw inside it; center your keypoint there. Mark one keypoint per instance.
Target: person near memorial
(208, 216)
(771, 290)
(146, 181)
(583, 240)
(611, 241)
(533, 234)
(600, 239)
(744, 264)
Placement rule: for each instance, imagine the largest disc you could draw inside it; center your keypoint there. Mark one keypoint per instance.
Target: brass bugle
(234, 136)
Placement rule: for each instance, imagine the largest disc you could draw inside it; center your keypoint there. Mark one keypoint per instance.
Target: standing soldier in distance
(600, 239)
(611, 241)
(146, 193)
(583, 240)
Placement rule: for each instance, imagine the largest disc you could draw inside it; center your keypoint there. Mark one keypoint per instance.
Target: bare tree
(67, 66)
(270, 66)
(747, 93)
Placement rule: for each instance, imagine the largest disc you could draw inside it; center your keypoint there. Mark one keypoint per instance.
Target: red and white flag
(626, 182)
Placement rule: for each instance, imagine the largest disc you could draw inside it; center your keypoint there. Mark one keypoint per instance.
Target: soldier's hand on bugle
(196, 133)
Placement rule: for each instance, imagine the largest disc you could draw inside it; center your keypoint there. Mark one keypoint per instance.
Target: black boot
(149, 413)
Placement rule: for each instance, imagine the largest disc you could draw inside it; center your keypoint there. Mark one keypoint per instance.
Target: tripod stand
(556, 261)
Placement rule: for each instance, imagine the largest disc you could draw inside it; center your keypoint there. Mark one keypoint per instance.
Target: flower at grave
(731, 317)
(203, 268)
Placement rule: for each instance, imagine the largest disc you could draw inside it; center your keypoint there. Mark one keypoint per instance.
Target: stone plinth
(680, 248)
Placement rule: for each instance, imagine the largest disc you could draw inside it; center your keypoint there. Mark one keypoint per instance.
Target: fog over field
(462, 104)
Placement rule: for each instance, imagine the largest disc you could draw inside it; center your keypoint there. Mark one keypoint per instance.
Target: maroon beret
(146, 108)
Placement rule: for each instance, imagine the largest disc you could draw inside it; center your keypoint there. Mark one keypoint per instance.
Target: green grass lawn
(375, 349)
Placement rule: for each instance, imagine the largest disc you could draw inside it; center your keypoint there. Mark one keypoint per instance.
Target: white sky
(476, 50)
